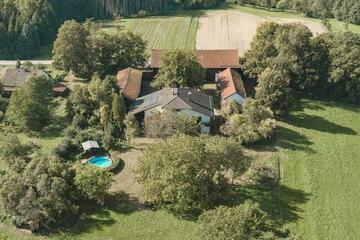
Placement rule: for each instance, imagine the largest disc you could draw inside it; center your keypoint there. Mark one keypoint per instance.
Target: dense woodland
(27, 25)
(343, 10)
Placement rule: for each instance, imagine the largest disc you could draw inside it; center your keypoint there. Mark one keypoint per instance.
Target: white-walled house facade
(188, 101)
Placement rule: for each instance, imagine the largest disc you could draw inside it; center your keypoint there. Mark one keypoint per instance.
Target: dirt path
(125, 180)
(230, 29)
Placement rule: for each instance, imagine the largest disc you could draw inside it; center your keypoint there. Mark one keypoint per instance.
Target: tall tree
(30, 105)
(180, 68)
(274, 90)
(71, 49)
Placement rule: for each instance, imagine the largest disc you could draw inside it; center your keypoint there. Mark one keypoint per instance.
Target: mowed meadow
(168, 32)
(322, 162)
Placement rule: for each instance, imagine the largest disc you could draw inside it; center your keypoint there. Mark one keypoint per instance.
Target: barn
(213, 61)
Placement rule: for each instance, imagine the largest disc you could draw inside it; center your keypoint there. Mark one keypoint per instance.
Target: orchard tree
(246, 221)
(180, 69)
(187, 175)
(30, 105)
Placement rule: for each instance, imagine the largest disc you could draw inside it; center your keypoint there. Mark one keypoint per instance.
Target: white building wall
(235, 97)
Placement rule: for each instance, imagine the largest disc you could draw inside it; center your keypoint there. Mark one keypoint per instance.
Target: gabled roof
(207, 58)
(14, 78)
(230, 82)
(175, 99)
(129, 80)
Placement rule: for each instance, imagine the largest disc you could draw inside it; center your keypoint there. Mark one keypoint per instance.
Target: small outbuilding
(60, 90)
(231, 86)
(129, 81)
(90, 145)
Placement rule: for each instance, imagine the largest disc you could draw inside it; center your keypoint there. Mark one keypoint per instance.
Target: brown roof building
(129, 80)
(209, 59)
(15, 78)
(231, 86)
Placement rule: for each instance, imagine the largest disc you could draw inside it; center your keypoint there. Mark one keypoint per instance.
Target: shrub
(11, 147)
(92, 182)
(67, 149)
(246, 221)
(263, 174)
(168, 123)
(132, 128)
(254, 124)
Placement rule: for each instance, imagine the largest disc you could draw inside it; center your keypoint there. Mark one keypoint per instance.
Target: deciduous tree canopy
(187, 174)
(180, 69)
(30, 105)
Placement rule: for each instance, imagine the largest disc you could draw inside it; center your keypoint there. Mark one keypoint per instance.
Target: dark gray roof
(14, 78)
(176, 99)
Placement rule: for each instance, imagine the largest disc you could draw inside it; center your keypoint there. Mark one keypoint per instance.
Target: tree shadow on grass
(280, 202)
(294, 141)
(95, 217)
(318, 123)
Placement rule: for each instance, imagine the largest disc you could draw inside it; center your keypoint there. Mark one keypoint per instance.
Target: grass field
(169, 32)
(322, 145)
(179, 29)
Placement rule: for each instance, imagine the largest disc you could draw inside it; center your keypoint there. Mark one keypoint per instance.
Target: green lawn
(322, 145)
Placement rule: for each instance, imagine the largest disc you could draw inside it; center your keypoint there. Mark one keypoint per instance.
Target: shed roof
(89, 145)
(129, 80)
(175, 99)
(60, 88)
(228, 58)
(230, 82)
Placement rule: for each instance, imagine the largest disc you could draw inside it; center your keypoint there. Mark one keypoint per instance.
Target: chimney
(189, 94)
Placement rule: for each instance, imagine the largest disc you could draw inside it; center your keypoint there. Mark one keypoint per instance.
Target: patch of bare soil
(235, 30)
(125, 180)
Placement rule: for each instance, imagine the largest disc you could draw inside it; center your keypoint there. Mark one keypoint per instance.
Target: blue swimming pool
(101, 162)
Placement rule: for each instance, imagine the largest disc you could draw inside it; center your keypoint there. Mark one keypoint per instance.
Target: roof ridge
(176, 97)
(127, 76)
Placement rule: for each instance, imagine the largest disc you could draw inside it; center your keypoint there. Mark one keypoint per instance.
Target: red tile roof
(230, 82)
(207, 58)
(129, 80)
